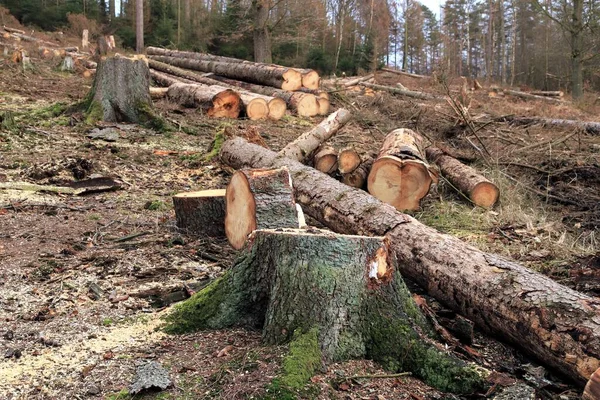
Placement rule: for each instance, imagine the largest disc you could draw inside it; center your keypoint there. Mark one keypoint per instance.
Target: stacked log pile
(259, 85)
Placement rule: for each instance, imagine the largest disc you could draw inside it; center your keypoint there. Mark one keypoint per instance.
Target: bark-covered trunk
(593, 128)
(262, 36)
(120, 92)
(304, 146)
(216, 101)
(358, 177)
(139, 26)
(201, 213)
(550, 321)
(402, 92)
(529, 96)
(480, 190)
(258, 199)
(276, 76)
(349, 291)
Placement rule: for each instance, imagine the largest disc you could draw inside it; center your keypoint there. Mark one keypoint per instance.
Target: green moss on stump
(303, 359)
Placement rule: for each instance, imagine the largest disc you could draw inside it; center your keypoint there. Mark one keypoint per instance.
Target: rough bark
(593, 128)
(261, 35)
(398, 72)
(326, 159)
(402, 92)
(350, 292)
(400, 176)
(276, 76)
(348, 160)
(216, 101)
(166, 80)
(358, 177)
(139, 26)
(258, 199)
(480, 190)
(549, 93)
(592, 389)
(528, 96)
(558, 325)
(305, 145)
(120, 92)
(358, 80)
(201, 213)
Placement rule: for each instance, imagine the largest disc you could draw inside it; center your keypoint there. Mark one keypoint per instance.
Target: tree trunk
(552, 322)
(201, 213)
(403, 92)
(216, 101)
(577, 51)
(358, 177)
(481, 191)
(349, 295)
(139, 26)
(590, 127)
(252, 103)
(303, 147)
(399, 175)
(166, 80)
(120, 92)
(325, 160)
(258, 199)
(348, 160)
(529, 96)
(279, 77)
(549, 93)
(262, 36)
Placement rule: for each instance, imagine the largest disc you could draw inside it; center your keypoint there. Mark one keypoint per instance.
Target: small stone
(150, 375)
(519, 391)
(12, 353)
(93, 390)
(108, 134)
(8, 335)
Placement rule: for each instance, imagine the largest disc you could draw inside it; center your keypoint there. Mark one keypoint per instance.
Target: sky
(433, 5)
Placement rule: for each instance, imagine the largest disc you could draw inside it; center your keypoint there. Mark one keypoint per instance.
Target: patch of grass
(94, 217)
(122, 395)
(155, 205)
(216, 144)
(107, 322)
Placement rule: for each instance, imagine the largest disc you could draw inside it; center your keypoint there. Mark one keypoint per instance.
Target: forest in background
(543, 44)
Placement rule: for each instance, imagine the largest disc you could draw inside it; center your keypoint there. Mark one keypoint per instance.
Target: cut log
(88, 73)
(528, 96)
(475, 186)
(166, 80)
(68, 64)
(157, 93)
(399, 175)
(358, 177)
(303, 147)
(549, 93)
(279, 77)
(345, 291)
(258, 199)
(255, 107)
(324, 106)
(402, 92)
(592, 389)
(356, 81)
(326, 160)
(310, 79)
(593, 128)
(348, 160)
(13, 30)
(214, 100)
(201, 213)
(558, 325)
(85, 39)
(398, 72)
(120, 92)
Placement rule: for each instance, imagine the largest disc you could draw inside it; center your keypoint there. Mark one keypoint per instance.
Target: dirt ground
(84, 280)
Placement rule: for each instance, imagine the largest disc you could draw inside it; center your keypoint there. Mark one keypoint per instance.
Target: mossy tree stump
(346, 287)
(120, 92)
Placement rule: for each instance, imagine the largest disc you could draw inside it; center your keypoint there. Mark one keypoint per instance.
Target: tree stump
(258, 199)
(201, 213)
(399, 175)
(120, 92)
(481, 191)
(347, 287)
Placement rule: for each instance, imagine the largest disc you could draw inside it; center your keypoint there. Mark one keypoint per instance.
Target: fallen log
(549, 93)
(27, 38)
(398, 72)
(356, 81)
(558, 325)
(216, 101)
(358, 177)
(467, 180)
(310, 78)
(348, 160)
(528, 96)
(201, 213)
(402, 92)
(166, 80)
(303, 103)
(326, 159)
(279, 77)
(258, 199)
(13, 30)
(400, 176)
(304, 146)
(155, 93)
(593, 128)
(349, 297)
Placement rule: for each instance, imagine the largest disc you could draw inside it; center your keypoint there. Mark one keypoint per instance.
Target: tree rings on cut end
(257, 109)
(277, 108)
(401, 183)
(310, 79)
(292, 80)
(485, 194)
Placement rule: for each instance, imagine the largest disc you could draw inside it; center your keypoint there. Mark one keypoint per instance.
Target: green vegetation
(303, 360)
(216, 144)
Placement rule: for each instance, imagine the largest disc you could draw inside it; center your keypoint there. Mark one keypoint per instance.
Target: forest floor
(84, 280)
